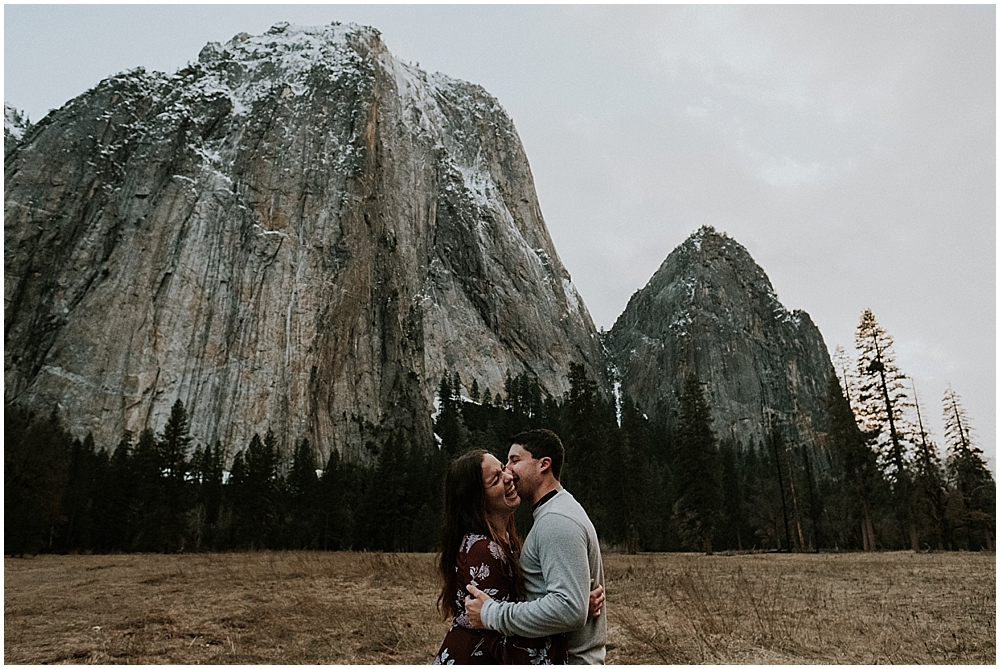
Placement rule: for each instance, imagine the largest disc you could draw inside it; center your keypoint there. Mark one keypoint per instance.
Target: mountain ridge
(300, 232)
(306, 234)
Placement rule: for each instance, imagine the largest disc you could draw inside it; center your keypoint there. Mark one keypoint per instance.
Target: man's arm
(475, 604)
(566, 570)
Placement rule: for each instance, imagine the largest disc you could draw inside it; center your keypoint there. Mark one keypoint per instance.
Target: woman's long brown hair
(465, 513)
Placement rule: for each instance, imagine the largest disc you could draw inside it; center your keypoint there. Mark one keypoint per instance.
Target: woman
(480, 546)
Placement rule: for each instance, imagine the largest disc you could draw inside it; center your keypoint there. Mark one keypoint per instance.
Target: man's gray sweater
(560, 557)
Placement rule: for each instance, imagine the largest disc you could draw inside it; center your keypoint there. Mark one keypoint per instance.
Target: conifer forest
(878, 483)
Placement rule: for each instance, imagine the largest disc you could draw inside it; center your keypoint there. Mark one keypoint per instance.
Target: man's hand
(596, 601)
(474, 605)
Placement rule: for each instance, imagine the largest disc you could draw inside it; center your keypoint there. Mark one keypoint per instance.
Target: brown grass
(373, 608)
(897, 608)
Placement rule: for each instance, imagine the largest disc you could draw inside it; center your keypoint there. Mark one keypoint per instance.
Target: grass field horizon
(379, 608)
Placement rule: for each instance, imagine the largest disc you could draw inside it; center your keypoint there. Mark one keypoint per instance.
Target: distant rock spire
(711, 310)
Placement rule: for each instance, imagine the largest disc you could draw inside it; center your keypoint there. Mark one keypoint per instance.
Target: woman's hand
(596, 602)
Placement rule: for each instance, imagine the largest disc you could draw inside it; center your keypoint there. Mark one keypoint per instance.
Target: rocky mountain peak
(710, 309)
(715, 259)
(250, 68)
(296, 232)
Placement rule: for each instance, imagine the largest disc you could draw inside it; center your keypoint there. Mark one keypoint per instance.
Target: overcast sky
(850, 149)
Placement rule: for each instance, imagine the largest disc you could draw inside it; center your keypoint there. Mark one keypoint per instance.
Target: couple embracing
(514, 604)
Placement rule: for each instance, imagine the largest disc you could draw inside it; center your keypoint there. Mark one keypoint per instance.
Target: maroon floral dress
(483, 563)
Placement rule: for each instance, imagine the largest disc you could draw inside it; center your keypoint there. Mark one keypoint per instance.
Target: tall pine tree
(36, 471)
(929, 485)
(857, 463)
(973, 504)
(631, 483)
(696, 469)
(883, 403)
(585, 423)
(172, 451)
(303, 490)
(255, 482)
(449, 424)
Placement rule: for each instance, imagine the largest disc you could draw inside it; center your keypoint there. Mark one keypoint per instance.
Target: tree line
(903, 493)
(875, 483)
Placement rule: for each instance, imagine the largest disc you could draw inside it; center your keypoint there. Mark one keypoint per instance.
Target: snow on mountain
(15, 124)
(297, 232)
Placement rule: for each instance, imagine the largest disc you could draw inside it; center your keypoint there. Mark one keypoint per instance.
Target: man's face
(525, 470)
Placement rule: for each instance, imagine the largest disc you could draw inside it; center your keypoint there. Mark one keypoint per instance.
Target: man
(560, 558)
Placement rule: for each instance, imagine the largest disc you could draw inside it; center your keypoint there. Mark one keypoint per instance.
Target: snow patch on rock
(15, 124)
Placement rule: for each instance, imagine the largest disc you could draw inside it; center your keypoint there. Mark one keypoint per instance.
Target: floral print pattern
(483, 563)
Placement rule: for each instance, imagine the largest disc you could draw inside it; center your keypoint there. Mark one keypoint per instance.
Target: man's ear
(545, 463)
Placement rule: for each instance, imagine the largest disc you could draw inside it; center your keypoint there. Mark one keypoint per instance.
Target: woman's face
(501, 495)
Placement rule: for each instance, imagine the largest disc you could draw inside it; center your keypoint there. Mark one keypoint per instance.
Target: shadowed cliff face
(298, 232)
(711, 310)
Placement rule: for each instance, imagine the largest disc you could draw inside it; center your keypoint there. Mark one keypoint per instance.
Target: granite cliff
(710, 309)
(297, 232)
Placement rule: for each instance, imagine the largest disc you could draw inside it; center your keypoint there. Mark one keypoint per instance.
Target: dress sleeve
(483, 563)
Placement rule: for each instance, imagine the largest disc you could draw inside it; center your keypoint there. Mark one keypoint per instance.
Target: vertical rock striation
(297, 232)
(711, 310)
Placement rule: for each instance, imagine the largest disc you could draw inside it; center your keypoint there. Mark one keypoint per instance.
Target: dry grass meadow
(372, 608)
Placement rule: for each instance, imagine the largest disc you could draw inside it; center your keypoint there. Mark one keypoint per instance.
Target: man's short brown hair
(542, 443)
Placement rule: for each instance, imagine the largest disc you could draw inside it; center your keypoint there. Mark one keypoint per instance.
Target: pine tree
(198, 524)
(117, 512)
(763, 496)
(36, 463)
(815, 500)
(86, 472)
(175, 443)
(237, 493)
(390, 498)
(585, 426)
(973, 504)
(632, 495)
(883, 402)
(696, 469)
(779, 459)
(172, 451)
(449, 425)
(213, 479)
(734, 520)
(207, 470)
(844, 369)
(149, 504)
(854, 460)
(929, 484)
(302, 475)
(255, 479)
(339, 492)
(881, 389)
(303, 490)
